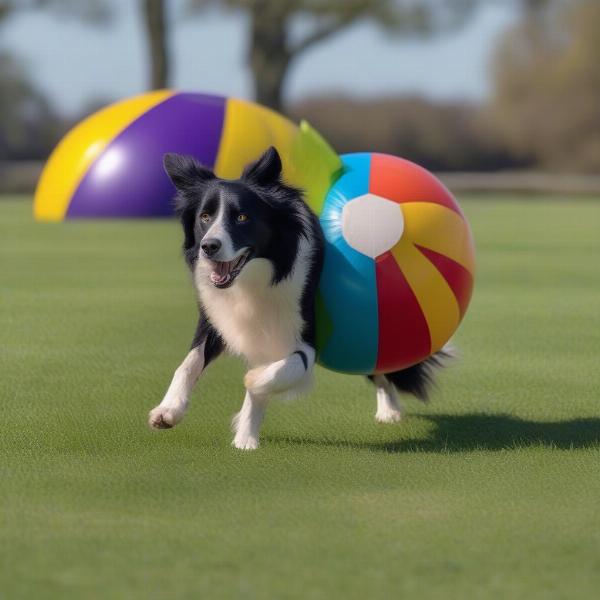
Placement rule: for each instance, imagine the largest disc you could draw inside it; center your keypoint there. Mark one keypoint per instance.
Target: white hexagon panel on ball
(372, 224)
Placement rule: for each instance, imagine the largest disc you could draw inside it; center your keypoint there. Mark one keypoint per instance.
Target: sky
(76, 64)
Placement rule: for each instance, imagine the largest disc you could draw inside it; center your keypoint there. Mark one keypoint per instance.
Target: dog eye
(205, 217)
(242, 218)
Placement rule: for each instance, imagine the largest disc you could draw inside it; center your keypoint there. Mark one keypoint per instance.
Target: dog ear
(187, 174)
(185, 171)
(266, 170)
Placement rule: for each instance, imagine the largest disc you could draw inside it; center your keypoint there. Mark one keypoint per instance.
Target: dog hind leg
(388, 407)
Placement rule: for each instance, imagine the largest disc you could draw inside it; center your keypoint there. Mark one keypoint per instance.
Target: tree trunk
(156, 33)
(269, 57)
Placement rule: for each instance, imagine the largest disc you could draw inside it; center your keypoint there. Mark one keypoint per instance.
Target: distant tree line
(29, 126)
(545, 105)
(442, 136)
(544, 110)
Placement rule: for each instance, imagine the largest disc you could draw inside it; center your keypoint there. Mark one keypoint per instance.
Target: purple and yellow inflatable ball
(110, 165)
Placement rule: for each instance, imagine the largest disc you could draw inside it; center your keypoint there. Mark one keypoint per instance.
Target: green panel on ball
(314, 166)
(324, 322)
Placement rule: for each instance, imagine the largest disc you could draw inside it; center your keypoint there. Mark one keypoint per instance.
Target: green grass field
(490, 491)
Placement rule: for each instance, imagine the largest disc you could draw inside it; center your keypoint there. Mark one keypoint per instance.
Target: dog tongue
(219, 279)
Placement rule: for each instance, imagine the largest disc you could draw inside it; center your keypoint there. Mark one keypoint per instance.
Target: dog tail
(418, 379)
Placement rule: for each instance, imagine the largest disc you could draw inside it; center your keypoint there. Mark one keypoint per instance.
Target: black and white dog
(255, 250)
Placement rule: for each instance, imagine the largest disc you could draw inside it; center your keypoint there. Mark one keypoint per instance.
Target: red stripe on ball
(457, 277)
(403, 332)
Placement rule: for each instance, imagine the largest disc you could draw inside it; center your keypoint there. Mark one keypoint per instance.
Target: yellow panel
(249, 129)
(440, 229)
(435, 297)
(80, 147)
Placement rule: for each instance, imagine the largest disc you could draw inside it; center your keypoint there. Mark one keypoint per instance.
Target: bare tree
(273, 45)
(155, 19)
(99, 12)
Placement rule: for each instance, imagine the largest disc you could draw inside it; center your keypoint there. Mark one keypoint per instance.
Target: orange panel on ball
(403, 181)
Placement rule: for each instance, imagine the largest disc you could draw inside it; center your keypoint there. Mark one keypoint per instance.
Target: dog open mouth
(223, 274)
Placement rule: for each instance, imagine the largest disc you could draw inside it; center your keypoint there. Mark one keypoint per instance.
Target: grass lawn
(490, 491)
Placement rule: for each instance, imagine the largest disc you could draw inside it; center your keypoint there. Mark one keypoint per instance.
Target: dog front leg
(206, 346)
(172, 409)
(246, 424)
(291, 374)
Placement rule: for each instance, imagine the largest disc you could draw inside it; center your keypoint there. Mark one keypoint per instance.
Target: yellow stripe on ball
(249, 129)
(440, 229)
(74, 155)
(433, 293)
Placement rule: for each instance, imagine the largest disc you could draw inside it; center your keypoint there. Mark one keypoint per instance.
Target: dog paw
(245, 443)
(163, 417)
(388, 415)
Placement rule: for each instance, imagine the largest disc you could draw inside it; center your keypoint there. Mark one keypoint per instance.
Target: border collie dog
(255, 251)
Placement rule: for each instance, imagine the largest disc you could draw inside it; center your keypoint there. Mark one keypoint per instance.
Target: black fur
(302, 355)
(205, 332)
(418, 379)
(309, 294)
(291, 218)
(190, 179)
(294, 221)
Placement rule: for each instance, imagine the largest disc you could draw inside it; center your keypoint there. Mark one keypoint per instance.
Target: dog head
(229, 223)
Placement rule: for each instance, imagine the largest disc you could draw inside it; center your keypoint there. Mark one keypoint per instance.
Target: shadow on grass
(469, 432)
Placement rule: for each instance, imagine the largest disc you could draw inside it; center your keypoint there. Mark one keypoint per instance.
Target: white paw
(245, 442)
(165, 417)
(388, 415)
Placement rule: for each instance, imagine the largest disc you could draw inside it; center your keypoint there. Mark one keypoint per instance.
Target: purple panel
(128, 180)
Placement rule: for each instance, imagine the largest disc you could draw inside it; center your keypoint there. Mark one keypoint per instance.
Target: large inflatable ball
(399, 257)
(110, 165)
(399, 266)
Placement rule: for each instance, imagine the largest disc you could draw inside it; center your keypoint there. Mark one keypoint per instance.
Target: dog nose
(210, 246)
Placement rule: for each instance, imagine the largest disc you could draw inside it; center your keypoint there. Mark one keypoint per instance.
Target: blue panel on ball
(348, 285)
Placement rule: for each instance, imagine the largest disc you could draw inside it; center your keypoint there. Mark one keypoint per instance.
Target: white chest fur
(257, 320)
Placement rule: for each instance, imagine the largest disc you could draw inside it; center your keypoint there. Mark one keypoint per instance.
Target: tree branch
(320, 34)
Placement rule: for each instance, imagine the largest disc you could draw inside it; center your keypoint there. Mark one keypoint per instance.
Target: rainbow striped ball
(399, 266)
